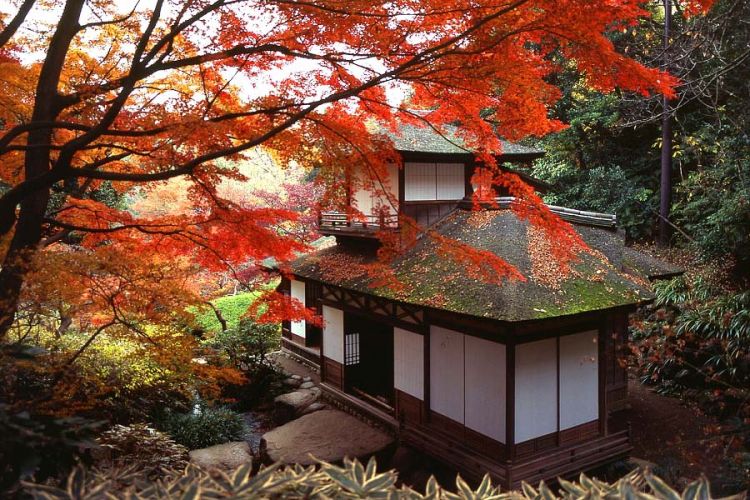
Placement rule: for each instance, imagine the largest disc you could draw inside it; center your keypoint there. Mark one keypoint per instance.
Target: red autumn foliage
(110, 99)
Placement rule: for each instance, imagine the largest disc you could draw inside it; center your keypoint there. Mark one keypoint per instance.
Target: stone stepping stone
(227, 456)
(328, 435)
(291, 405)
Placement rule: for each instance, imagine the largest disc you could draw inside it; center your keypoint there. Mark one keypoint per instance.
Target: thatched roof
(596, 282)
(411, 138)
(647, 266)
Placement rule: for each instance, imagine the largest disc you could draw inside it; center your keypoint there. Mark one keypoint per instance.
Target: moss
(435, 280)
(580, 295)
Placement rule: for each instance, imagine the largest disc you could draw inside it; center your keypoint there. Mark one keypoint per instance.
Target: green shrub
(246, 348)
(232, 308)
(140, 447)
(205, 426)
(353, 480)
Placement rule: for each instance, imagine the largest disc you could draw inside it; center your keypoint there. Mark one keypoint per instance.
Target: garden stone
(317, 406)
(306, 379)
(293, 382)
(306, 385)
(227, 456)
(328, 435)
(296, 377)
(290, 405)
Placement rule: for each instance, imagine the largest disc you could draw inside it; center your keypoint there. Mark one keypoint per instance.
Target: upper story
(436, 176)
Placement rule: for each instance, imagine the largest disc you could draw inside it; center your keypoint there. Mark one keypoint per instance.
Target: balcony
(332, 223)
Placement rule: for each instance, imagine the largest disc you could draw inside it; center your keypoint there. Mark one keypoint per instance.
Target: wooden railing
(333, 222)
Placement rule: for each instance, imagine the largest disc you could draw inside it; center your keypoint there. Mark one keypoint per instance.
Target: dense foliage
(352, 480)
(204, 426)
(246, 348)
(695, 344)
(608, 159)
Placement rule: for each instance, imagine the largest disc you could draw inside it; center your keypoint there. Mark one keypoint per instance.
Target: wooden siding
(409, 410)
(333, 373)
(426, 213)
(615, 352)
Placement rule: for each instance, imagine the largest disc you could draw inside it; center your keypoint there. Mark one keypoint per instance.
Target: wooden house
(518, 379)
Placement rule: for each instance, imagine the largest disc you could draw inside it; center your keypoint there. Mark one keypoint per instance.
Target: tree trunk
(665, 198)
(28, 229)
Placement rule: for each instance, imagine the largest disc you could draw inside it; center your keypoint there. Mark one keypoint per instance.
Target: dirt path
(673, 436)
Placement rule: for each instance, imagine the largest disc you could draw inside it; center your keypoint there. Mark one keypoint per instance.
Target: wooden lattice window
(351, 349)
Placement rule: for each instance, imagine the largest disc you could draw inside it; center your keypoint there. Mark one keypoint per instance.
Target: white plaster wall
(408, 362)
(333, 333)
(536, 389)
(485, 400)
(371, 195)
(447, 373)
(362, 200)
(579, 379)
(419, 181)
(298, 292)
(450, 181)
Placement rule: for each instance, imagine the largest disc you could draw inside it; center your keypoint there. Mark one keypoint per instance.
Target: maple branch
(63, 169)
(10, 29)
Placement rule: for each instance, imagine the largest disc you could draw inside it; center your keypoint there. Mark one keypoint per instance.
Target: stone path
(328, 435)
(307, 428)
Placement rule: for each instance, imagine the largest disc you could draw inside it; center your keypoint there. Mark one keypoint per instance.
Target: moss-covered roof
(647, 266)
(427, 140)
(434, 280)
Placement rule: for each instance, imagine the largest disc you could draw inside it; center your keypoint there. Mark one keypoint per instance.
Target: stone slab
(328, 435)
(225, 456)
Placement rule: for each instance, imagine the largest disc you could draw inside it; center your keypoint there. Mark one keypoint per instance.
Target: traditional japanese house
(517, 379)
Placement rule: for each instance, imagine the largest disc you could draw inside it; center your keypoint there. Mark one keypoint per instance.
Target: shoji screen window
(433, 181)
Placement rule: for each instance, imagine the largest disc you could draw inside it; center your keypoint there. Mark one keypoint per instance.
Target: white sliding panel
(485, 387)
(579, 379)
(333, 334)
(536, 389)
(298, 292)
(447, 373)
(450, 181)
(419, 181)
(408, 362)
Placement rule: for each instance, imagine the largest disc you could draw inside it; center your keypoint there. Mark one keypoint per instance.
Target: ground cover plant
(352, 480)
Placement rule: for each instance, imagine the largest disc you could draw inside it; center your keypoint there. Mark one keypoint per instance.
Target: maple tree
(127, 98)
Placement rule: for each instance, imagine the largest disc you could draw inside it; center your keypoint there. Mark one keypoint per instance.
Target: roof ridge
(568, 214)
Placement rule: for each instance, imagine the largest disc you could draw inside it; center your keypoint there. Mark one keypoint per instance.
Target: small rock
(288, 406)
(306, 385)
(293, 382)
(306, 379)
(225, 456)
(296, 377)
(317, 406)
